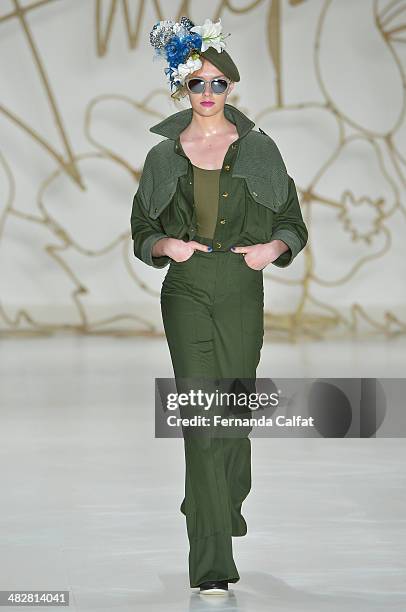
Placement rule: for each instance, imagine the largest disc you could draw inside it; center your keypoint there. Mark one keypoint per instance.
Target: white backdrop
(74, 135)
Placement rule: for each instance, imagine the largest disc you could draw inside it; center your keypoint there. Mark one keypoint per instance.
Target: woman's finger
(198, 246)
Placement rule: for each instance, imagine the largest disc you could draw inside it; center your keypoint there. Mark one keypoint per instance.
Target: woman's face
(208, 71)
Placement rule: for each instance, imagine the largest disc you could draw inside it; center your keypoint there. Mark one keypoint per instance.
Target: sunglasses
(218, 85)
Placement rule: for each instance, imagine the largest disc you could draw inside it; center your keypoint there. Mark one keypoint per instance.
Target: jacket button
(223, 221)
(226, 167)
(155, 209)
(225, 194)
(218, 245)
(190, 182)
(253, 193)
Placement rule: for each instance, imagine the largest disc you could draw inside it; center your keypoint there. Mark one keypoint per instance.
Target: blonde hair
(179, 93)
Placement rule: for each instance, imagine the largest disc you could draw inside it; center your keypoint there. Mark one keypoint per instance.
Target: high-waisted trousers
(212, 311)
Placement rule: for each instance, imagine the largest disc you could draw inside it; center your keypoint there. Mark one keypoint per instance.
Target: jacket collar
(257, 160)
(172, 126)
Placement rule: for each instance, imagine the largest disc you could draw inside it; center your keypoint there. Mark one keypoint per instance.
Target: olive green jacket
(253, 172)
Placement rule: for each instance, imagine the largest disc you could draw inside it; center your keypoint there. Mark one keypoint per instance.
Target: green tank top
(206, 196)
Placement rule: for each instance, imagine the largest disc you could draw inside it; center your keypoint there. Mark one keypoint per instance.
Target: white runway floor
(90, 499)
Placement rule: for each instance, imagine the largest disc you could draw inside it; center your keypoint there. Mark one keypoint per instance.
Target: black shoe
(214, 587)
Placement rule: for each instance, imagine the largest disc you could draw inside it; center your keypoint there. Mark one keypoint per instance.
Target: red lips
(207, 103)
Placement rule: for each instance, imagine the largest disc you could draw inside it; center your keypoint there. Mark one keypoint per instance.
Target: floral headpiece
(181, 43)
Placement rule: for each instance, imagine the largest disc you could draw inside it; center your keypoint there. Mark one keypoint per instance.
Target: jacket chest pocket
(262, 192)
(161, 197)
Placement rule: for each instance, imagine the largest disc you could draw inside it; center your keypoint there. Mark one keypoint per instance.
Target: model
(216, 203)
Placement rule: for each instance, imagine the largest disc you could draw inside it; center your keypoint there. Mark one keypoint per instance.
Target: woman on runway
(216, 203)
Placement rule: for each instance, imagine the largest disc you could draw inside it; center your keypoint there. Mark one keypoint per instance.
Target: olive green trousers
(212, 311)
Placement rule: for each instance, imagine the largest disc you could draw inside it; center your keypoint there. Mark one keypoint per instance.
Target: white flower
(185, 69)
(211, 35)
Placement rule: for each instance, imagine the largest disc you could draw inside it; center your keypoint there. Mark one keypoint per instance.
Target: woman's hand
(258, 256)
(179, 250)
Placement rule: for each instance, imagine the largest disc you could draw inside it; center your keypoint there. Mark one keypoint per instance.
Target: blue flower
(178, 49)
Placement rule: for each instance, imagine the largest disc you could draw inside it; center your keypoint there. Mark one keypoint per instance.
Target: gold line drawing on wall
(288, 325)
(69, 166)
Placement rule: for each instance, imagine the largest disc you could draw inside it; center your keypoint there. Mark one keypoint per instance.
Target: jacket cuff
(146, 252)
(294, 244)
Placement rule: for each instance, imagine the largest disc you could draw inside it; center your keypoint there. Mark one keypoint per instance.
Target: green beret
(222, 61)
